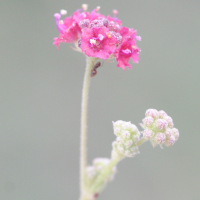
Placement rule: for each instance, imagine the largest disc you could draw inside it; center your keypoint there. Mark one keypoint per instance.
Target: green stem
(103, 176)
(84, 106)
(83, 198)
(143, 140)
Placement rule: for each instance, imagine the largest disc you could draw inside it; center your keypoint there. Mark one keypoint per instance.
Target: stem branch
(140, 142)
(103, 176)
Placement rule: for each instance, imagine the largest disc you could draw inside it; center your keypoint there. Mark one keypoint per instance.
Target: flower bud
(148, 121)
(84, 23)
(168, 132)
(147, 134)
(118, 123)
(96, 23)
(104, 20)
(126, 126)
(161, 124)
(175, 133)
(158, 128)
(126, 142)
(125, 134)
(117, 131)
(152, 113)
(159, 139)
(169, 121)
(117, 36)
(170, 141)
(112, 26)
(162, 114)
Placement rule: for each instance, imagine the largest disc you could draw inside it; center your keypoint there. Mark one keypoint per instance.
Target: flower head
(98, 36)
(69, 30)
(127, 138)
(159, 128)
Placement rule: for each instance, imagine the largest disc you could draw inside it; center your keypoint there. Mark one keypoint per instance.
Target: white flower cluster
(159, 128)
(98, 165)
(127, 138)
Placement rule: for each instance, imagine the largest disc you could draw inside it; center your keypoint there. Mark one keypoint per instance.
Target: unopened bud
(168, 132)
(152, 113)
(175, 132)
(148, 121)
(162, 114)
(158, 128)
(160, 138)
(104, 20)
(126, 142)
(147, 134)
(125, 134)
(170, 141)
(84, 23)
(169, 121)
(161, 124)
(112, 26)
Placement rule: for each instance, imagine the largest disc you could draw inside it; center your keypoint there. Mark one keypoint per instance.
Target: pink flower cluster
(159, 128)
(98, 36)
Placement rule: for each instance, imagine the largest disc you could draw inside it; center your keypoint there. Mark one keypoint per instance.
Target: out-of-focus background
(40, 96)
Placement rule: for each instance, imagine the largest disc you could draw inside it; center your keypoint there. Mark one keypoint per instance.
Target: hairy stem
(84, 106)
(83, 198)
(141, 141)
(104, 175)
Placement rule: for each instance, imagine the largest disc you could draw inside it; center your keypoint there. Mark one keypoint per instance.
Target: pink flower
(57, 41)
(98, 42)
(126, 51)
(69, 30)
(98, 36)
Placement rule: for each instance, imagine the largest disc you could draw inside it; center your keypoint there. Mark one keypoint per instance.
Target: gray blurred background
(40, 100)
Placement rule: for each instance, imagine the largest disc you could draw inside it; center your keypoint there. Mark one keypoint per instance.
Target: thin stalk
(143, 140)
(103, 176)
(84, 105)
(83, 198)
